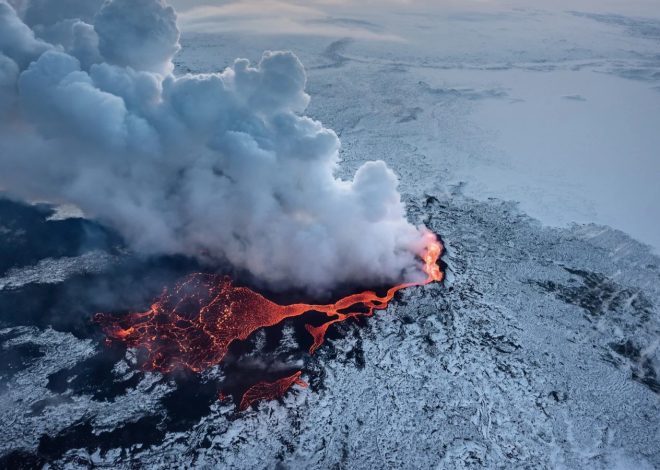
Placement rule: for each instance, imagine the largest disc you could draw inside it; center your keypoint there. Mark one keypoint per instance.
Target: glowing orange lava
(270, 390)
(193, 325)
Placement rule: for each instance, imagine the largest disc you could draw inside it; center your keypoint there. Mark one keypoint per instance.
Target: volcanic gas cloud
(223, 167)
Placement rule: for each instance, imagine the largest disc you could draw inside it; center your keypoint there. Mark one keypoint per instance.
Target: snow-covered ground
(542, 348)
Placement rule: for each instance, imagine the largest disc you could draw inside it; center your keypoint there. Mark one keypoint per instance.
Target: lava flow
(270, 390)
(193, 325)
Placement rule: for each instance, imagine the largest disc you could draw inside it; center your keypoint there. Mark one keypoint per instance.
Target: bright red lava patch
(270, 390)
(193, 325)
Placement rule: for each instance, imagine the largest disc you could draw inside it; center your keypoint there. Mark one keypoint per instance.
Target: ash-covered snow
(541, 349)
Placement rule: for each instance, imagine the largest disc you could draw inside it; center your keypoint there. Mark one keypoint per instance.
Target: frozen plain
(539, 351)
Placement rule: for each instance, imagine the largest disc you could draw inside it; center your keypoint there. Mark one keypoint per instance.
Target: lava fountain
(193, 325)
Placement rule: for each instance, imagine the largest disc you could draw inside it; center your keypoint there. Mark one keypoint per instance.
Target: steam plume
(220, 166)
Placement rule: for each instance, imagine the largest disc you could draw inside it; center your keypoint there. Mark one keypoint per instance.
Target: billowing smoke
(220, 166)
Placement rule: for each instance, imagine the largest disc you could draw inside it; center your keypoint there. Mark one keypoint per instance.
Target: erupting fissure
(193, 325)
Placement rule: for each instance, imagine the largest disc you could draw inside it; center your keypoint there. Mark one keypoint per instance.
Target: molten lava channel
(193, 325)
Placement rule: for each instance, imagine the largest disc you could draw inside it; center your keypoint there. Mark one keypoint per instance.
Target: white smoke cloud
(8, 78)
(221, 166)
(17, 40)
(141, 34)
